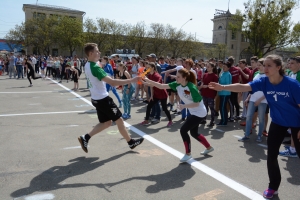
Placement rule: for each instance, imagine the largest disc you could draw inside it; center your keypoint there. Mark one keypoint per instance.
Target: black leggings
(163, 105)
(49, 69)
(192, 124)
(234, 104)
(31, 74)
(276, 135)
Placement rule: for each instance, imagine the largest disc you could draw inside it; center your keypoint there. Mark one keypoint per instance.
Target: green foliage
(267, 25)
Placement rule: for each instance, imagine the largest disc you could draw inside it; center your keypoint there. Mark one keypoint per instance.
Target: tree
(69, 33)
(16, 36)
(115, 35)
(267, 25)
(137, 37)
(175, 40)
(157, 38)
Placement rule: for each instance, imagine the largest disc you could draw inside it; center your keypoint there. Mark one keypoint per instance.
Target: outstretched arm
(116, 82)
(156, 84)
(169, 71)
(232, 87)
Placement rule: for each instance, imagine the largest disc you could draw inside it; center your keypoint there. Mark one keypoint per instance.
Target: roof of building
(52, 7)
(5, 47)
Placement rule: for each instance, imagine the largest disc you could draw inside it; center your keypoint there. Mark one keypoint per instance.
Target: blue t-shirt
(282, 98)
(108, 69)
(225, 79)
(163, 68)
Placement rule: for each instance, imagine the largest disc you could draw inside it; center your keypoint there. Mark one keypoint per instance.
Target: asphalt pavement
(41, 157)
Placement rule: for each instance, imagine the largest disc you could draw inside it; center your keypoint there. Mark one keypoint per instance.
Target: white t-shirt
(190, 94)
(179, 67)
(94, 74)
(257, 95)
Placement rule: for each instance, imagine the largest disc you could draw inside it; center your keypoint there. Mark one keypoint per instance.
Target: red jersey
(158, 93)
(129, 66)
(113, 64)
(252, 74)
(199, 74)
(248, 72)
(235, 73)
(207, 78)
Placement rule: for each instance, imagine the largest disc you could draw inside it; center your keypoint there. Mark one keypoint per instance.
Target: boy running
(107, 110)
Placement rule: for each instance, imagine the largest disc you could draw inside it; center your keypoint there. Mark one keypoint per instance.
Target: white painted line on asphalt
(34, 104)
(72, 125)
(26, 92)
(251, 194)
(238, 137)
(76, 147)
(43, 113)
(47, 196)
(218, 130)
(263, 145)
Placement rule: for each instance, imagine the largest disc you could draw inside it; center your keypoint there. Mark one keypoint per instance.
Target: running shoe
(155, 121)
(244, 139)
(30, 85)
(146, 123)
(185, 158)
(230, 120)
(128, 116)
(243, 124)
(170, 123)
(136, 142)
(259, 139)
(83, 143)
(203, 122)
(124, 116)
(206, 151)
(288, 153)
(269, 193)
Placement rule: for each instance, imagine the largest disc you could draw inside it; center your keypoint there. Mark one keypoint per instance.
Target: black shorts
(106, 109)
(170, 91)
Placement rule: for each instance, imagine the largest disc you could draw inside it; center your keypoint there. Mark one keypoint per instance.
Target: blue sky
(174, 12)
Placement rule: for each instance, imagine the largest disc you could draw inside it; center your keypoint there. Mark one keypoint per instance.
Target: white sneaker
(185, 158)
(206, 151)
(155, 121)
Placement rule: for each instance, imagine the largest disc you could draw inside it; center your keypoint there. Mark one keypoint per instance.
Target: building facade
(33, 11)
(235, 42)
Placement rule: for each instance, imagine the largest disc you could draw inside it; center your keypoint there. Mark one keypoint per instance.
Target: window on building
(244, 38)
(232, 46)
(39, 15)
(220, 28)
(54, 52)
(72, 17)
(233, 35)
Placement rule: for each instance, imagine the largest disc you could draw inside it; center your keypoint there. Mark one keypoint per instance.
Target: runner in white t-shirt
(188, 92)
(107, 110)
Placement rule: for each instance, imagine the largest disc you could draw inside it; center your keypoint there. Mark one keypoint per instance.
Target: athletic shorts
(170, 91)
(267, 109)
(106, 109)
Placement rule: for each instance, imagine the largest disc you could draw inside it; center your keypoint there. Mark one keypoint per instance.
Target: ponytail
(190, 76)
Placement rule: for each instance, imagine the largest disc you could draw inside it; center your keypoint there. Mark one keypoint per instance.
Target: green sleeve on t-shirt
(173, 85)
(194, 92)
(256, 73)
(97, 71)
(298, 76)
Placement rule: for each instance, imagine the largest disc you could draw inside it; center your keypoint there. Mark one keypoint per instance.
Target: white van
(125, 56)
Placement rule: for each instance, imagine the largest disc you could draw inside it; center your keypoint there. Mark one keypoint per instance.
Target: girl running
(283, 96)
(128, 90)
(188, 92)
(30, 71)
(156, 95)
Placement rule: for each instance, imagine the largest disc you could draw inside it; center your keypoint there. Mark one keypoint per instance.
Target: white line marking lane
(209, 171)
(44, 113)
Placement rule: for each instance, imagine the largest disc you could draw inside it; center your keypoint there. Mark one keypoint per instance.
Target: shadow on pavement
(170, 180)
(51, 178)
(292, 166)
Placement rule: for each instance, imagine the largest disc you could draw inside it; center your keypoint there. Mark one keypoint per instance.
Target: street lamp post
(186, 23)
